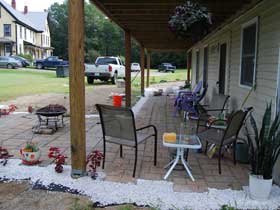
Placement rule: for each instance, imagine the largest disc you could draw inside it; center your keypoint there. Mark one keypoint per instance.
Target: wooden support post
(77, 87)
(148, 67)
(142, 70)
(127, 69)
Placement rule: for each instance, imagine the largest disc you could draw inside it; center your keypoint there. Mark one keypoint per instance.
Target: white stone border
(157, 194)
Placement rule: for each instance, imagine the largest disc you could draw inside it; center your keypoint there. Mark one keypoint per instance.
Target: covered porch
(145, 21)
(7, 47)
(158, 110)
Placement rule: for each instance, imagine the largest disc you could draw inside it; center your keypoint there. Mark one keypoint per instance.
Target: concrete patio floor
(15, 130)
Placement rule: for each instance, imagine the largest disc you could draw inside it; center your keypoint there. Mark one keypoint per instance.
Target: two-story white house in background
(24, 32)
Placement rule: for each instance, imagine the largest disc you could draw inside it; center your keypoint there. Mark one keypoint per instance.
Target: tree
(102, 37)
(58, 21)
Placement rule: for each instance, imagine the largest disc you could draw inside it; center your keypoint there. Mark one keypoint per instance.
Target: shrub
(27, 57)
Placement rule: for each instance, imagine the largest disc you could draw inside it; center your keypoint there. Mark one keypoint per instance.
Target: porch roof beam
(147, 20)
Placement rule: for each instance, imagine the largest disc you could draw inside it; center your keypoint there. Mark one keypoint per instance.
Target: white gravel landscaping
(157, 194)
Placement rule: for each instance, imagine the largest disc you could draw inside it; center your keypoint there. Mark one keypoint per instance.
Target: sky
(34, 5)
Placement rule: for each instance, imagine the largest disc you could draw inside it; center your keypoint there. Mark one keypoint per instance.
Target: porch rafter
(147, 20)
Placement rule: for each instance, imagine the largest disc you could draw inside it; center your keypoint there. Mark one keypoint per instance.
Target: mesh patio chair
(195, 91)
(189, 103)
(215, 108)
(224, 137)
(118, 127)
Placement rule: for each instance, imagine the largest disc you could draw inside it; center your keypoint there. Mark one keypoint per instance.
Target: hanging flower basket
(190, 20)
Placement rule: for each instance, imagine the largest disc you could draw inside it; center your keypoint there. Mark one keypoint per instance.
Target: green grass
(14, 83)
(179, 75)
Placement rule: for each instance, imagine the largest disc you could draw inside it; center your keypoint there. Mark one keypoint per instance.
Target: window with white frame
(249, 40)
(7, 30)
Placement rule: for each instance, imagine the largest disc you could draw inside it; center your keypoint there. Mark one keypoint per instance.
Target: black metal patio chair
(118, 127)
(224, 137)
(215, 108)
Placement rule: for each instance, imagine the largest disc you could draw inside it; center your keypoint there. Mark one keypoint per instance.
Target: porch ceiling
(147, 20)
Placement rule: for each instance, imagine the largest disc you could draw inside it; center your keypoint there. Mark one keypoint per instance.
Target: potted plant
(264, 149)
(58, 157)
(94, 161)
(190, 20)
(30, 154)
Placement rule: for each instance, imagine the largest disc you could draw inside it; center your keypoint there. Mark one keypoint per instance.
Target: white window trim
(243, 26)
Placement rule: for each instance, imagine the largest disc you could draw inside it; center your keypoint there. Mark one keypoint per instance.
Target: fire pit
(50, 117)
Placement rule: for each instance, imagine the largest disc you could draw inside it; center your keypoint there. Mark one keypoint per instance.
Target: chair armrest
(184, 92)
(218, 120)
(209, 110)
(148, 126)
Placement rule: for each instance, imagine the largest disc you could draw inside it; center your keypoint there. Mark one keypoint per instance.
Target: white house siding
(35, 39)
(267, 59)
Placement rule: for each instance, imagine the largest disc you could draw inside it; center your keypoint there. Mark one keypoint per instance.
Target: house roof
(38, 19)
(147, 20)
(20, 17)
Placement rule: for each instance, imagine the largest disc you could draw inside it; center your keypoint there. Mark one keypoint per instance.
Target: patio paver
(15, 130)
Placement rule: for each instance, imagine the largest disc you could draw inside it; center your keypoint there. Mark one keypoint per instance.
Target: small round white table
(183, 142)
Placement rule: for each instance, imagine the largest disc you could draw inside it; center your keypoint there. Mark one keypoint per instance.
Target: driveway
(94, 94)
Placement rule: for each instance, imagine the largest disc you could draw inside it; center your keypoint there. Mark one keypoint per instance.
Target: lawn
(179, 75)
(14, 83)
(155, 77)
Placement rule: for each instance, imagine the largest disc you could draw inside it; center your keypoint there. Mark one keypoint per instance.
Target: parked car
(166, 67)
(50, 62)
(105, 69)
(135, 67)
(9, 62)
(23, 61)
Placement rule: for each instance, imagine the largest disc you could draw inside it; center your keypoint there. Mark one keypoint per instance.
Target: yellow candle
(169, 137)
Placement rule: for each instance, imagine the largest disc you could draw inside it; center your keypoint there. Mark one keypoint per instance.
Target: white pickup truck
(105, 69)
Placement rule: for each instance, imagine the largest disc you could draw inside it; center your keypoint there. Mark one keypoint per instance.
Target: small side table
(183, 142)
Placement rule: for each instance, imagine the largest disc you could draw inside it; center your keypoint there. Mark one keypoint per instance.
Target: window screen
(7, 29)
(205, 67)
(248, 55)
(197, 67)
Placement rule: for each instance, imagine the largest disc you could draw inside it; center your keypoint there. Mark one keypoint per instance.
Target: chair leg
(135, 162)
(219, 159)
(104, 152)
(186, 154)
(234, 155)
(155, 150)
(121, 151)
(206, 146)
